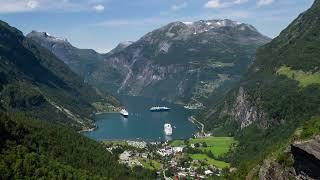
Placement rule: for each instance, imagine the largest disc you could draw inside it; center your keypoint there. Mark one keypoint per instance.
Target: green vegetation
(103, 107)
(305, 79)
(177, 143)
(150, 164)
(40, 150)
(36, 82)
(208, 149)
(115, 142)
(310, 128)
(217, 145)
(209, 161)
(275, 91)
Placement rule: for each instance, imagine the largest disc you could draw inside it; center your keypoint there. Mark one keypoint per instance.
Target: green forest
(34, 149)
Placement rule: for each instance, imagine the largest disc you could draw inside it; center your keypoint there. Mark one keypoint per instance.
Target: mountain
(185, 62)
(121, 46)
(39, 96)
(277, 103)
(81, 61)
(36, 82)
(33, 149)
(182, 62)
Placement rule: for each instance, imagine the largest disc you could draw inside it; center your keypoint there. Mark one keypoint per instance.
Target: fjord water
(143, 124)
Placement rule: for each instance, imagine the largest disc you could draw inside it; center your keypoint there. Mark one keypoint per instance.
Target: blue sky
(102, 24)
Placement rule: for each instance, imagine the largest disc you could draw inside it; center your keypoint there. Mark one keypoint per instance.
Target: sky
(102, 24)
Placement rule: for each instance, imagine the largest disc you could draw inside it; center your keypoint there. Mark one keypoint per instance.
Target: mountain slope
(279, 94)
(81, 61)
(185, 62)
(121, 46)
(180, 62)
(33, 149)
(36, 82)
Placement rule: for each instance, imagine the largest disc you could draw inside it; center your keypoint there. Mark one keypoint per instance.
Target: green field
(210, 161)
(217, 145)
(304, 78)
(177, 143)
(150, 164)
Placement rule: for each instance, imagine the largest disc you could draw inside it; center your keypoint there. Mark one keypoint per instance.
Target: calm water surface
(143, 124)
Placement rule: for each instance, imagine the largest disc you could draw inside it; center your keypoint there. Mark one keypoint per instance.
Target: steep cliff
(280, 92)
(186, 62)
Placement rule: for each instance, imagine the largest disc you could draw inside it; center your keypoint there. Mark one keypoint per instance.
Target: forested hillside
(35, 81)
(279, 94)
(41, 150)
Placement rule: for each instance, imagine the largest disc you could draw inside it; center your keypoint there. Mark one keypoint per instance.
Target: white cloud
(240, 1)
(177, 7)
(98, 7)
(17, 6)
(215, 4)
(33, 4)
(264, 2)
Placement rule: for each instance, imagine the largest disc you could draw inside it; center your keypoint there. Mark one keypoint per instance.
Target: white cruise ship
(124, 113)
(168, 129)
(159, 109)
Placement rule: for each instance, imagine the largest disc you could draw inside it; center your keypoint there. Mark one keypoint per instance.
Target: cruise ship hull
(124, 113)
(160, 110)
(168, 129)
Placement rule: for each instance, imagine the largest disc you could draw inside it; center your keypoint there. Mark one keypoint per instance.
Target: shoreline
(110, 112)
(199, 125)
(87, 130)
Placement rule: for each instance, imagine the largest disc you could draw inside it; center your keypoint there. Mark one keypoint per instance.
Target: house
(177, 149)
(125, 156)
(208, 172)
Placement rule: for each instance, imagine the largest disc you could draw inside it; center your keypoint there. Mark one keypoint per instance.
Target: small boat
(124, 113)
(159, 109)
(168, 129)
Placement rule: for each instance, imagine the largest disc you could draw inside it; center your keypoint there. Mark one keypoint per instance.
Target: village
(195, 158)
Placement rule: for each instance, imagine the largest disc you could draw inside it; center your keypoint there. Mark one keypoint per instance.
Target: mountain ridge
(36, 82)
(81, 61)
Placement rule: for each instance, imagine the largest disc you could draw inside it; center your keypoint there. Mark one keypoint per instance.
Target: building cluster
(171, 159)
(167, 150)
(137, 144)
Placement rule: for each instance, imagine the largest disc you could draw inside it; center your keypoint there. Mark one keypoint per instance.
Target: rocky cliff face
(307, 158)
(244, 110)
(186, 62)
(273, 170)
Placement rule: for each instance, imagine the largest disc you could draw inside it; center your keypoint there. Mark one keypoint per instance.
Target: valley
(207, 99)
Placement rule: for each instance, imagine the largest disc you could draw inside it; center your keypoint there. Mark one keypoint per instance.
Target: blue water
(143, 124)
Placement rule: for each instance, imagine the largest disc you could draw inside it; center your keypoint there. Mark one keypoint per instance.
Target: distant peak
(188, 23)
(126, 43)
(46, 35)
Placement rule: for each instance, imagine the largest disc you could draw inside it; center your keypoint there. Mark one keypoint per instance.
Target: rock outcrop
(307, 158)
